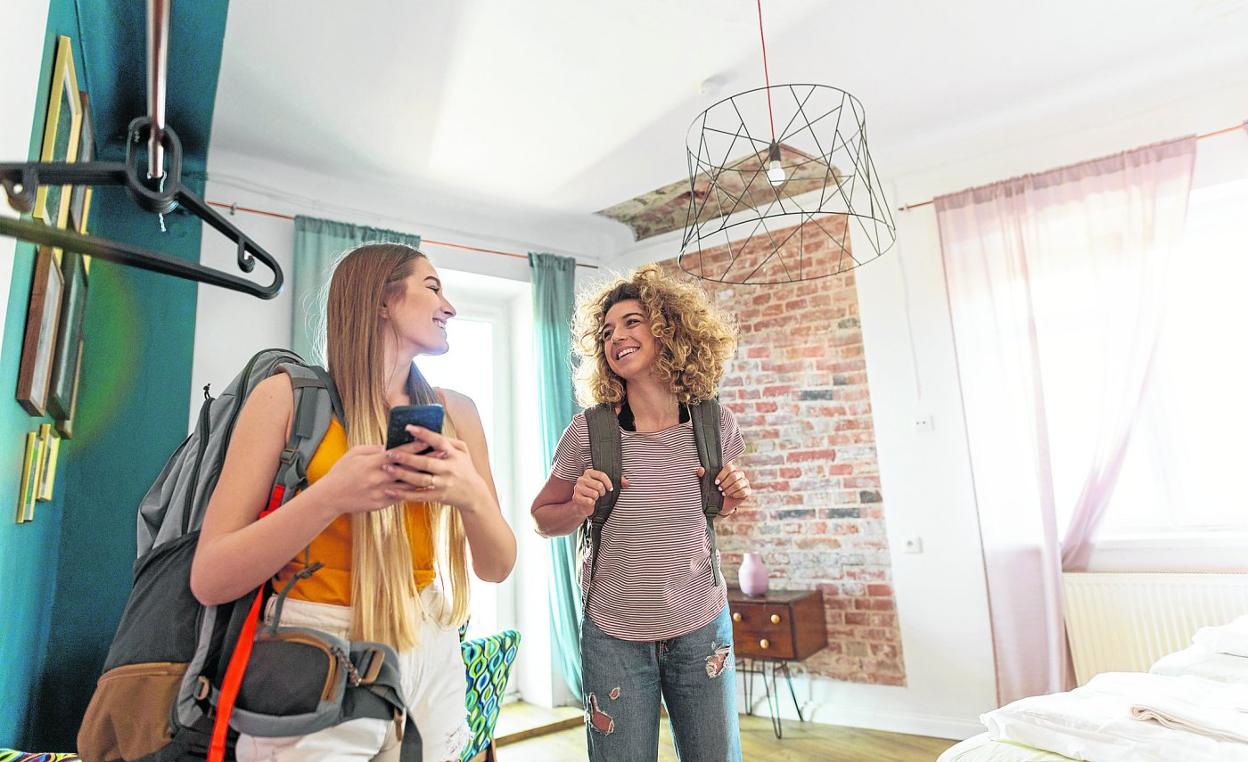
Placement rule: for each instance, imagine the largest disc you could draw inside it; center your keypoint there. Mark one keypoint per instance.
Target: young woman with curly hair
(656, 623)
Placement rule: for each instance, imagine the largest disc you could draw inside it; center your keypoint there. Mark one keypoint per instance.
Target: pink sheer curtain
(1056, 287)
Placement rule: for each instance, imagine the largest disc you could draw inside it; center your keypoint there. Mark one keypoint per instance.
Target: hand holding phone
(426, 416)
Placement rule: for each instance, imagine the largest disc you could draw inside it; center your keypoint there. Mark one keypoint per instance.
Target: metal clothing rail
(22, 181)
(157, 67)
(159, 190)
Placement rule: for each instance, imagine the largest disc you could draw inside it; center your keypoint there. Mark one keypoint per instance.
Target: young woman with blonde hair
(656, 621)
(392, 528)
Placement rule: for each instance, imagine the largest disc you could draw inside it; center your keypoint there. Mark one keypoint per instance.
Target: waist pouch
(300, 680)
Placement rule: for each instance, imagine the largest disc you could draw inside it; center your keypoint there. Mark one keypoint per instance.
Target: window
(491, 361)
(1183, 471)
(470, 368)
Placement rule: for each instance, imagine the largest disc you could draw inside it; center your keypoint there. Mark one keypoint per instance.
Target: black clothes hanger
(161, 196)
(21, 182)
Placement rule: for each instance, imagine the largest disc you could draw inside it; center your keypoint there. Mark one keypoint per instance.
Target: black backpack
(606, 455)
(165, 676)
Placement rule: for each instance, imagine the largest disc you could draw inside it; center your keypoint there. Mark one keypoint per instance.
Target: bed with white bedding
(1188, 718)
(1096, 722)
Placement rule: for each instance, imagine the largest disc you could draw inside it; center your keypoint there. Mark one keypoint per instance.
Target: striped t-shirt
(654, 579)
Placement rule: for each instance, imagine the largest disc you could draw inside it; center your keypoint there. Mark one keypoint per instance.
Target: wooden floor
(803, 742)
(518, 721)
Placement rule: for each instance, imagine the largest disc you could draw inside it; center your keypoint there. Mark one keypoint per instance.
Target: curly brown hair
(694, 338)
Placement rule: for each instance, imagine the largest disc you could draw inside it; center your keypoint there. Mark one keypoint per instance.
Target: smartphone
(425, 416)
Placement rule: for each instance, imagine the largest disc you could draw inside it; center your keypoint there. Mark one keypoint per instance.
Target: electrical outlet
(912, 544)
(923, 423)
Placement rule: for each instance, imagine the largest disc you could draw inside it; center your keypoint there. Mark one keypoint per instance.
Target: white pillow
(1198, 661)
(1228, 639)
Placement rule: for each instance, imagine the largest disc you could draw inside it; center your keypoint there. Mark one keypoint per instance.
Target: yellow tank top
(332, 547)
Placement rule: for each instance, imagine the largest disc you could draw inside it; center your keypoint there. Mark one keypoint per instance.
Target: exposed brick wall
(798, 388)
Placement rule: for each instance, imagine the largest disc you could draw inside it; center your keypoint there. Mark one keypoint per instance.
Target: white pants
(434, 687)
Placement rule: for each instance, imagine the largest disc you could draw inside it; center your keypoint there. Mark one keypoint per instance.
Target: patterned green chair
(9, 755)
(487, 664)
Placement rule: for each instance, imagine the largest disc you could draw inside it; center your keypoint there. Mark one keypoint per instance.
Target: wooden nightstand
(770, 631)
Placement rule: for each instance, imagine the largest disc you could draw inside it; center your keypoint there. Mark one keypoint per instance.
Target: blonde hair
(694, 338)
(385, 602)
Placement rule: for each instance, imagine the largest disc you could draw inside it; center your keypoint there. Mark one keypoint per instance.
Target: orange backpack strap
(238, 660)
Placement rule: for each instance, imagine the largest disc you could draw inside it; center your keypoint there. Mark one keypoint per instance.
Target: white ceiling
(565, 107)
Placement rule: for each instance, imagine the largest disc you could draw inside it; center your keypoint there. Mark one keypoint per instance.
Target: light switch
(912, 544)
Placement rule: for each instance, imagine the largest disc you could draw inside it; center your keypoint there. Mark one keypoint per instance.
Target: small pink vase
(753, 575)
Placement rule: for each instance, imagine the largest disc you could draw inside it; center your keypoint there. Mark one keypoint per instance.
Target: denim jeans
(694, 675)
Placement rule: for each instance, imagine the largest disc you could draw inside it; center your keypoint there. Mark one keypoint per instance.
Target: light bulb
(775, 173)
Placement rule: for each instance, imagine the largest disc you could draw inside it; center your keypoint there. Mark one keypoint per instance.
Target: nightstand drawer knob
(736, 616)
(764, 644)
(775, 619)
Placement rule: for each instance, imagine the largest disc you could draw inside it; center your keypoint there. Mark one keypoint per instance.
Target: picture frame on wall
(68, 336)
(61, 134)
(32, 466)
(82, 225)
(51, 445)
(80, 197)
(65, 427)
(43, 314)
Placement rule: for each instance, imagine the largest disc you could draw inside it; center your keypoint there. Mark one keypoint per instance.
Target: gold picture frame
(51, 445)
(32, 466)
(82, 227)
(61, 136)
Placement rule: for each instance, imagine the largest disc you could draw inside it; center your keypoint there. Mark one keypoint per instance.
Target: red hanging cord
(766, 77)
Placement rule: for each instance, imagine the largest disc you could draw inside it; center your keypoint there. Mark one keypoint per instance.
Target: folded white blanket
(1095, 722)
(1179, 719)
(1227, 639)
(1190, 704)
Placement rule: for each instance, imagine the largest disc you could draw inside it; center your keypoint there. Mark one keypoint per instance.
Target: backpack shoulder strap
(328, 384)
(604, 442)
(705, 419)
(316, 403)
(605, 454)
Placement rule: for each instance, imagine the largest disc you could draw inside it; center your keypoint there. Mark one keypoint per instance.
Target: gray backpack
(606, 455)
(181, 680)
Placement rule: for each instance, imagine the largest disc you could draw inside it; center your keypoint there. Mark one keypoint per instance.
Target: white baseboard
(872, 707)
(936, 726)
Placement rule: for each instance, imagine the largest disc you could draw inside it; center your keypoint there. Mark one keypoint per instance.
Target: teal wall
(29, 553)
(72, 566)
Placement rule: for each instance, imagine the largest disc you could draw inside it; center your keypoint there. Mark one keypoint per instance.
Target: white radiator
(1125, 622)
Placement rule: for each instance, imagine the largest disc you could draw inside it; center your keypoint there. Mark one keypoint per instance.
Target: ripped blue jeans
(693, 674)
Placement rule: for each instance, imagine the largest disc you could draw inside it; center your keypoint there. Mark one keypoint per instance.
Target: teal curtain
(318, 244)
(553, 295)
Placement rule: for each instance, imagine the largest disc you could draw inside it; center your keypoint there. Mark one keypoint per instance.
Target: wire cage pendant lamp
(796, 203)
